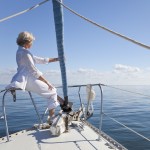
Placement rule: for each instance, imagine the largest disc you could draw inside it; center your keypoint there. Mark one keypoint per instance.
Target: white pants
(41, 88)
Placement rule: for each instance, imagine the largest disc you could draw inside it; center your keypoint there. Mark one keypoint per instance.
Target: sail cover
(58, 19)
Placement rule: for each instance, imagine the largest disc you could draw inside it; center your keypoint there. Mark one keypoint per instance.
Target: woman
(28, 77)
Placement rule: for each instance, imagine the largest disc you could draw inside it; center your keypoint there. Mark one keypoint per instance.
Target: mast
(58, 19)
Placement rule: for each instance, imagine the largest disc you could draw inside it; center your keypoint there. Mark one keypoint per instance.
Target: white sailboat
(70, 131)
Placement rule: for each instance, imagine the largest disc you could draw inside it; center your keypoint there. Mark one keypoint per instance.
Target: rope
(104, 28)
(24, 11)
(128, 128)
(88, 20)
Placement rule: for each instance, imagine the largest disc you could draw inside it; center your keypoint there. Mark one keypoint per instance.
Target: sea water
(130, 108)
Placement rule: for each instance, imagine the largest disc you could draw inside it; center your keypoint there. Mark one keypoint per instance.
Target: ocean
(129, 105)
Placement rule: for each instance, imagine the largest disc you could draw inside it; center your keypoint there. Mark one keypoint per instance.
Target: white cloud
(81, 70)
(52, 72)
(8, 71)
(120, 75)
(126, 69)
(6, 75)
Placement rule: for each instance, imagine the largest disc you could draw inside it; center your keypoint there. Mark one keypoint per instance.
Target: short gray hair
(25, 38)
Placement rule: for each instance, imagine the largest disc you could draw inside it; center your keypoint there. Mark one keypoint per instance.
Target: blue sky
(92, 54)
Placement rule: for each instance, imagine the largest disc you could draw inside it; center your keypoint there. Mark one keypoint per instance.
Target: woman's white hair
(25, 38)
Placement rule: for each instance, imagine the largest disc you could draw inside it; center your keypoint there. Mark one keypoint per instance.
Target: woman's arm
(33, 70)
(28, 60)
(45, 81)
(40, 60)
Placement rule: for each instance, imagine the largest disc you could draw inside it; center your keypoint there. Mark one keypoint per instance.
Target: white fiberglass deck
(78, 138)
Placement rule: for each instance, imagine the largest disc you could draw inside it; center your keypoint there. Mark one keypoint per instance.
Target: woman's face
(28, 45)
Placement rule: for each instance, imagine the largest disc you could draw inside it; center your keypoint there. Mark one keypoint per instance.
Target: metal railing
(101, 108)
(88, 103)
(81, 105)
(12, 90)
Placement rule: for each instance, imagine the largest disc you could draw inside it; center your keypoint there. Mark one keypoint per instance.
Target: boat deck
(79, 137)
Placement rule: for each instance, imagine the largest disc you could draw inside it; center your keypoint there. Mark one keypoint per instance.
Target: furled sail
(58, 19)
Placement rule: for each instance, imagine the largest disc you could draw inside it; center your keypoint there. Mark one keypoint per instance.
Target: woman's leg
(51, 112)
(41, 88)
(61, 101)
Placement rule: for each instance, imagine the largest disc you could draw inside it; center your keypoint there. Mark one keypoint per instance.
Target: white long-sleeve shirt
(26, 68)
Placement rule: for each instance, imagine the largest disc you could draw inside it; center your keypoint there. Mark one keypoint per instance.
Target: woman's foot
(50, 120)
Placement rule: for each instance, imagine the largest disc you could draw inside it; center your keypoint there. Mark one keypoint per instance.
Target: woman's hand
(53, 59)
(49, 86)
(56, 59)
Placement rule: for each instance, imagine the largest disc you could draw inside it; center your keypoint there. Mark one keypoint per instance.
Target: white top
(26, 68)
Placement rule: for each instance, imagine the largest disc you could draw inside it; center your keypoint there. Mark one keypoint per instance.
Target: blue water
(131, 109)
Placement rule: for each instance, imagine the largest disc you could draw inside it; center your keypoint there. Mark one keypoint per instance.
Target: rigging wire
(88, 20)
(127, 127)
(127, 91)
(109, 86)
(24, 11)
(104, 28)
